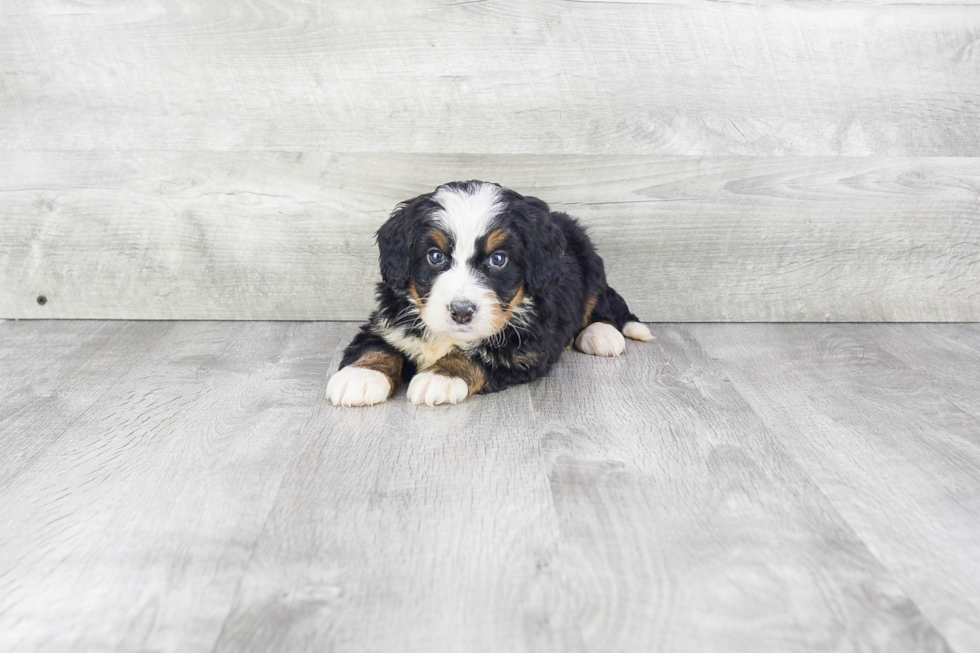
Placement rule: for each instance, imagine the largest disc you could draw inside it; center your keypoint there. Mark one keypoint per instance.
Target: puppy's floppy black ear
(545, 247)
(396, 238)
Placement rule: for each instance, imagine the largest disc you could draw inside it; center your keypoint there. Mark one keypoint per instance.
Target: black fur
(396, 237)
(554, 264)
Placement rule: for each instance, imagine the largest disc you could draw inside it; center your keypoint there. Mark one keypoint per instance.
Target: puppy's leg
(450, 380)
(369, 372)
(606, 323)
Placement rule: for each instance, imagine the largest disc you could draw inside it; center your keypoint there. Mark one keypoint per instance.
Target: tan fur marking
(414, 292)
(385, 362)
(514, 303)
(458, 365)
(589, 307)
(497, 238)
(526, 361)
(500, 315)
(440, 239)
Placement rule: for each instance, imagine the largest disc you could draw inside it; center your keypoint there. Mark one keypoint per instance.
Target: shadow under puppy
(482, 288)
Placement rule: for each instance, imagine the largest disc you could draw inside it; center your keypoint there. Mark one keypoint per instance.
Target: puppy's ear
(545, 247)
(396, 239)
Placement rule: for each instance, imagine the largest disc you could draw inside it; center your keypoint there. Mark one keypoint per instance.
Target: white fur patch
(432, 389)
(637, 331)
(424, 352)
(600, 339)
(358, 386)
(466, 216)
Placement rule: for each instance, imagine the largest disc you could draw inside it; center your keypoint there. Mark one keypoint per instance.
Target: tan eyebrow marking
(440, 239)
(497, 238)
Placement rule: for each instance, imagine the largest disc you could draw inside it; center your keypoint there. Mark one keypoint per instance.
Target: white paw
(637, 331)
(358, 386)
(600, 339)
(429, 388)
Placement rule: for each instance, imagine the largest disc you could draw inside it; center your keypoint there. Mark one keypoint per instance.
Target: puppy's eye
(436, 257)
(498, 260)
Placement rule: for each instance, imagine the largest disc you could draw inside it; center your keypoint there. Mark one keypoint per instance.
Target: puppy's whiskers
(520, 341)
(405, 313)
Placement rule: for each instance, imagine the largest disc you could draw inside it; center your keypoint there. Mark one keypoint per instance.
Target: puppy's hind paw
(358, 386)
(600, 339)
(637, 331)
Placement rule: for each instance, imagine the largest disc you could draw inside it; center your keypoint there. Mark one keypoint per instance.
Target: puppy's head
(469, 256)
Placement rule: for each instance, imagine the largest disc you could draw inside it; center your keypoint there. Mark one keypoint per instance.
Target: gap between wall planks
(289, 235)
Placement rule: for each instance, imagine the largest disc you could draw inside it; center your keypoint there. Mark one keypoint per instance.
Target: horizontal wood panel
(501, 76)
(268, 235)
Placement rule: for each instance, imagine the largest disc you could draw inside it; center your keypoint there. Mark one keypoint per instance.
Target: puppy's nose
(462, 312)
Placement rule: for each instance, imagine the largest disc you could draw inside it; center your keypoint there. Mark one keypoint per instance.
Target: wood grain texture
(502, 76)
(37, 407)
(232, 160)
(200, 495)
(409, 529)
(886, 441)
(938, 356)
(687, 527)
(131, 529)
(163, 235)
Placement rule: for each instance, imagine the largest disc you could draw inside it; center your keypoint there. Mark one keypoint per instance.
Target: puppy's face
(468, 256)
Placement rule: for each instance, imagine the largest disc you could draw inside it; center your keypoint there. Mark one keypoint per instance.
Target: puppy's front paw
(429, 388)
(358, 386)
(600, 339)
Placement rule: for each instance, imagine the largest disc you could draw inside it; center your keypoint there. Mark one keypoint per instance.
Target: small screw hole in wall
(42, 300)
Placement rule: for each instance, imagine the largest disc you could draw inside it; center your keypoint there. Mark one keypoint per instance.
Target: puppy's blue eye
(436, 257)
(498, 260)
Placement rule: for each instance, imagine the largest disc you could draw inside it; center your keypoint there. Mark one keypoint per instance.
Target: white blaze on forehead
(467, 215)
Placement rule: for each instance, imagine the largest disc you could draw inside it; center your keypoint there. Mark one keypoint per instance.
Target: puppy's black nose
(462, 312)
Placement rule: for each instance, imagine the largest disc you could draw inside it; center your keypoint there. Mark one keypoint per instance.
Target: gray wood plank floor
(183, 486)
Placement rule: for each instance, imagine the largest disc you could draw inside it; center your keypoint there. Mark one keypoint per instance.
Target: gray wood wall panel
(736, 161)
(269, 235)
(506, 76)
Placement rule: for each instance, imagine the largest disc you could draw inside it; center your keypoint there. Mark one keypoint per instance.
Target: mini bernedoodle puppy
(482, 288)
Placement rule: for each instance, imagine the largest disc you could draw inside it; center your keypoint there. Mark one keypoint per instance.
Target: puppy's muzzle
(462, 312)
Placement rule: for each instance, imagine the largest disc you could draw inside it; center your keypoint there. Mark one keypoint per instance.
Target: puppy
(482, 288)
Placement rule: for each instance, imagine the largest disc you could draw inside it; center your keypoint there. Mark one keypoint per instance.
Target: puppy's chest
(424, 352)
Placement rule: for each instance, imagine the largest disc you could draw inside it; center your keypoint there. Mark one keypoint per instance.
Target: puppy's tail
(611, 307)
